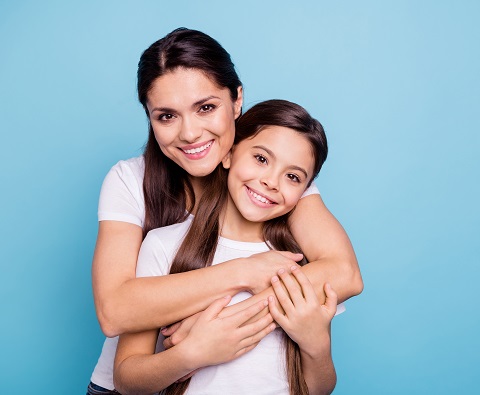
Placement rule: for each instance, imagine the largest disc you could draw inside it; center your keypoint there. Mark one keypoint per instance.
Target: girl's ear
(227, 160)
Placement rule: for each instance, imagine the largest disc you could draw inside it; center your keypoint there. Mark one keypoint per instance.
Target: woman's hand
(213, 340)
(261, 267)
(306, 321)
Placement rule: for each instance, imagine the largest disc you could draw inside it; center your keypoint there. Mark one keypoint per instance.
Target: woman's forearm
(125, 303)
(327, 248)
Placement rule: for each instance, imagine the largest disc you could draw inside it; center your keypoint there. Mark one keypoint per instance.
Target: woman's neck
(235, 227)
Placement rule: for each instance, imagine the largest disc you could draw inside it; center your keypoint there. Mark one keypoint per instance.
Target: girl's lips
(197, 151)
(259, 199)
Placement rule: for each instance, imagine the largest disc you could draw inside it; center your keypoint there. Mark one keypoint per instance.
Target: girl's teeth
(260, 198)
(197, 150)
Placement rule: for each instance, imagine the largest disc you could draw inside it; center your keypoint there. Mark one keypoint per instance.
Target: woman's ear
(227, 160)
(237, 105)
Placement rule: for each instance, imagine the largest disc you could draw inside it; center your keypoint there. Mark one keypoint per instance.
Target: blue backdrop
(396, 85)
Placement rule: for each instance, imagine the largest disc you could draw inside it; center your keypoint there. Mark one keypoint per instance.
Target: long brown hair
(198, 248)
(166, 185)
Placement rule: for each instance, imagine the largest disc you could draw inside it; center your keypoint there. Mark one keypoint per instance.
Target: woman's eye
(165, 117)
(293, 177)
(207, 108)
(260, 159)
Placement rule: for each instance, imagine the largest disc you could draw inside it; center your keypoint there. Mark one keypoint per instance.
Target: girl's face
(269, 173)
(193, 119)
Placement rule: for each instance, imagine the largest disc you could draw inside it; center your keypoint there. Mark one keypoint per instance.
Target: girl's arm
(128, 304)
(327, 248)
(307, 322)
(211, 341)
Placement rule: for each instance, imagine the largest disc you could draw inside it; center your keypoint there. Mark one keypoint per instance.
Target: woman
(192, 96)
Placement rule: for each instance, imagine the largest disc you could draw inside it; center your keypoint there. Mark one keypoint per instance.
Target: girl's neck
(235, 227)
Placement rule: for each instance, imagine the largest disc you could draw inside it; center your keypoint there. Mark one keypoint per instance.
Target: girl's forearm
(318, 369)
(147, 374)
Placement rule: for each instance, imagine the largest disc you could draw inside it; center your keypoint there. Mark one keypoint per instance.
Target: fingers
(168, 343)
(169, 330)
(275, 312)
(282, 295)
(215, 308)
(244, 315)
(331, 300)
(305, 284)
(291, 255)
(256, 331)
(292, 286)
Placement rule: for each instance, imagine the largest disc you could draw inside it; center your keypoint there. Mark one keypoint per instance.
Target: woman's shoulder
(128, 167)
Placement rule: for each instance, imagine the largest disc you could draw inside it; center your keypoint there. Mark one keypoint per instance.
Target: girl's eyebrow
(270, 152)
(196, 104)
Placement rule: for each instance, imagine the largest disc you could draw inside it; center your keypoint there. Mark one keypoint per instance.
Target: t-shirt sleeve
(152, 258)
(311, 190)
(340, 309)
(121, 196)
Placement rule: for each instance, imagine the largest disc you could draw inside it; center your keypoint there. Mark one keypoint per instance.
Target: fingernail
(265, 303)
(293, 268)
(281, 271)
(163, 330)
(270, 298)
(274, 279)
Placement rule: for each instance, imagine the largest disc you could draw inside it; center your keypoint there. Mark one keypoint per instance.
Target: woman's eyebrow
(270, 152)
(196, 104)
(205, 99)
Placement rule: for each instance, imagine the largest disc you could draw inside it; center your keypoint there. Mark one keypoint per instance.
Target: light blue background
(396, 85)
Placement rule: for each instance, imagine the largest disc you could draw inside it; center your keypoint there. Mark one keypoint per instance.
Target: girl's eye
(260, 158)
(165, 117)
(293, 177)
(207, 108)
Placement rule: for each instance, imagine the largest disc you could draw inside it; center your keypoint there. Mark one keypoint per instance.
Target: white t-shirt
(121, 197)
(260, 372)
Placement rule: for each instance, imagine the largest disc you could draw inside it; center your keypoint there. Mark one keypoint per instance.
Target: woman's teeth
(199, 149)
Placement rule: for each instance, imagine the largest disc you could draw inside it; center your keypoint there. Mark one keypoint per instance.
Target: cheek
(164, 136)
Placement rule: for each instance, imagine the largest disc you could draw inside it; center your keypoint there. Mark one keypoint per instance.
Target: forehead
(289, 146)
(184, 86)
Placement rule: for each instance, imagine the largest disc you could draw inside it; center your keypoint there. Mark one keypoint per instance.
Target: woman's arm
(128, 304)
(307, 322)
(211, 341)
(327, 248)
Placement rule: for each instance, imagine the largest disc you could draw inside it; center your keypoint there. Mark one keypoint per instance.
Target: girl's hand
(175, 333)
(306, 321)
(213, 340)
(261, 267)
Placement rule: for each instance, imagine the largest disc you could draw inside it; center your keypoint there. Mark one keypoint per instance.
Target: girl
(192, 96)
(279, 149)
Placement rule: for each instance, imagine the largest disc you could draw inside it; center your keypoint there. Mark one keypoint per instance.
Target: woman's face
(269, 173)
(193, 119)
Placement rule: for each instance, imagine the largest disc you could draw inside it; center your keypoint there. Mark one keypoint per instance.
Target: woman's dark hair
(198, 248)
(166, 185)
